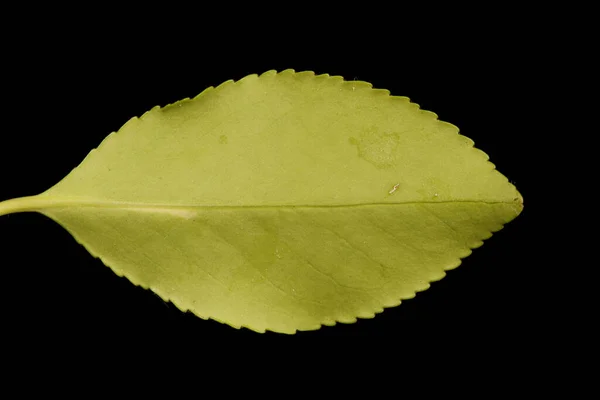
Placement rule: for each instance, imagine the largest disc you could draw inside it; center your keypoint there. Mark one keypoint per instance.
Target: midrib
(39, 203)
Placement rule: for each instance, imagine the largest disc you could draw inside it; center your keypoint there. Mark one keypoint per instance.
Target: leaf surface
(284, 201)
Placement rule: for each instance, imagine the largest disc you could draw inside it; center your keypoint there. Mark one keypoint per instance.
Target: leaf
(282, 202)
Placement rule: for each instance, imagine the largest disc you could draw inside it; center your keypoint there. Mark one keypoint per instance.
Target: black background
(62, 95)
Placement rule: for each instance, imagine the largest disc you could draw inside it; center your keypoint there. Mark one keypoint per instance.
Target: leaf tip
(520, 199)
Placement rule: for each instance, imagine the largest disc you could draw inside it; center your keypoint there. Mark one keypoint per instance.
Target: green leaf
(282, 202)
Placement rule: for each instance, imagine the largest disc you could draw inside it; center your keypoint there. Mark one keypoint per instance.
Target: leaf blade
(273, 126)
(339, 251)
